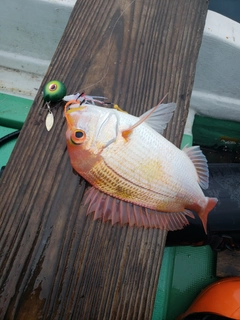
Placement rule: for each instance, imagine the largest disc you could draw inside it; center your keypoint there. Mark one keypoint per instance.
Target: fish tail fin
(203, 214)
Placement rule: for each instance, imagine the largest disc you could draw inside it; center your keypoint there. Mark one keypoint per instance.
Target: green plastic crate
(13, 113)
(187, 270)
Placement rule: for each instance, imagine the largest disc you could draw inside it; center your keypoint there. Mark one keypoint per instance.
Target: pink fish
(137, 176)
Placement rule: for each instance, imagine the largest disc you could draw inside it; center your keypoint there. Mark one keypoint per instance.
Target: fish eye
(78, 136)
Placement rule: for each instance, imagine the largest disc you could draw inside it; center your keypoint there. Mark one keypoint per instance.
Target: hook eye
(78, 136)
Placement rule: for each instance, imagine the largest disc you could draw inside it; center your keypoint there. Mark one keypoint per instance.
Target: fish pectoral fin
(200, 163)
(158, 118)
(106, 207)
(126, 133)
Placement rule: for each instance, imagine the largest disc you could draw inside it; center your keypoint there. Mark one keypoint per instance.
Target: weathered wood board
(55, 262)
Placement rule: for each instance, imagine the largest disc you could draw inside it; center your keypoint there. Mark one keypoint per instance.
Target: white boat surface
(27, 46)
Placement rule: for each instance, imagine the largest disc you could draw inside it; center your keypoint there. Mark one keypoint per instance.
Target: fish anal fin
(106, 208)
(200, 163)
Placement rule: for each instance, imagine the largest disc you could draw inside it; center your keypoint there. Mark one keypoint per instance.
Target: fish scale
(114, 184)
(153, 169)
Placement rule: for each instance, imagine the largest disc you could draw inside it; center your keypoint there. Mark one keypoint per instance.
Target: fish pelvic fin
(107, 208)
(200, 163)
(203, 214)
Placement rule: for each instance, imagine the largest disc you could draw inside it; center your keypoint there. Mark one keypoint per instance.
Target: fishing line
(106, 66)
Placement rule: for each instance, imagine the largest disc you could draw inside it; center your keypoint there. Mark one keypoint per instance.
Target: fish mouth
(72, 106)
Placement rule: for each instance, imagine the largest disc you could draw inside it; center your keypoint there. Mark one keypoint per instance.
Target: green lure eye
(53, 87)
(54, 91)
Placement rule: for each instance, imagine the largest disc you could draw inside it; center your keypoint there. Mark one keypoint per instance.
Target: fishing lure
(83, 98)
(53, 91)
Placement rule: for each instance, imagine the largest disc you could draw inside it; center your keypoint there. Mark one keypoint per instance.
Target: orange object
(220, 298)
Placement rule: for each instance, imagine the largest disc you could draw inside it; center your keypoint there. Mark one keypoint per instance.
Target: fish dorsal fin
(159, 118)
(106, 207)
(200, 163)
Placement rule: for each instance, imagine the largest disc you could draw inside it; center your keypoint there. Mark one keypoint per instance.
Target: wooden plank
(55, 262)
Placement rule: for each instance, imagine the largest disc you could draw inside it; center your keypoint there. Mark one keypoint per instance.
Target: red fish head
(78, 136)
(89, 130)
(81, 124)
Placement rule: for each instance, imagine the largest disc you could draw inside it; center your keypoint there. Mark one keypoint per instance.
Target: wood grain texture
(55, 262)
